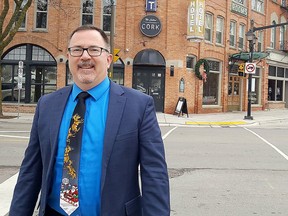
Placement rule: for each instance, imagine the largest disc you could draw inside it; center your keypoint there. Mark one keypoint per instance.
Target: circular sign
(250, 68)
(150, 26)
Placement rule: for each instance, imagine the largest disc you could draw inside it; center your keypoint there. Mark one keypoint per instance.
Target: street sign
(250, 68)
(115, 55)
(241, 67)
(20, 75)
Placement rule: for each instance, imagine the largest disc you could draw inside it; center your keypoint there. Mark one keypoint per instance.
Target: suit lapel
(60, 101)
(115, 111)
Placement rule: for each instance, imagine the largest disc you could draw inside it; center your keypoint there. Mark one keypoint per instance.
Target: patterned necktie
(69, 200)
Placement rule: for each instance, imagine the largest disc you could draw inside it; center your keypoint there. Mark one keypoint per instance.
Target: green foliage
(197, 68)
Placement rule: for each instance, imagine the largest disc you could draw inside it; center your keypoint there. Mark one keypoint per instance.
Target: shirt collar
(96, 92)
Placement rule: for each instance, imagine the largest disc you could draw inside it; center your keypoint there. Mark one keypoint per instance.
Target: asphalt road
(214, 171)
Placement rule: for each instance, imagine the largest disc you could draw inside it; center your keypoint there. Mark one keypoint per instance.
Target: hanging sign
(250, 68)
(196, 15)
(150, 26)
(151, 5)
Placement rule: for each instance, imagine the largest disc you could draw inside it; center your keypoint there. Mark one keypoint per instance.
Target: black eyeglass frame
(87, 49)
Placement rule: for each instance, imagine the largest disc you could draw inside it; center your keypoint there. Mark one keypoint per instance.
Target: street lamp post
(252, 39)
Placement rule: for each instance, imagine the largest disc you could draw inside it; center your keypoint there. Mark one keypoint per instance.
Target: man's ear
(109, 60)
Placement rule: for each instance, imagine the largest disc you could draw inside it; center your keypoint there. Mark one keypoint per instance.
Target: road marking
(216, 123)
(18, 137)
(6, 191)
(168, 133)
(271, 145)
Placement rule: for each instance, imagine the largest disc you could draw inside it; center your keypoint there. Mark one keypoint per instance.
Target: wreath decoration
(206, 69)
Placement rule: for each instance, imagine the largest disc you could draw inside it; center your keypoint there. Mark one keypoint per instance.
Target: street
(213, 170)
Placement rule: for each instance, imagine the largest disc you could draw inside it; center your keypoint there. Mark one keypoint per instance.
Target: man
(120, 134)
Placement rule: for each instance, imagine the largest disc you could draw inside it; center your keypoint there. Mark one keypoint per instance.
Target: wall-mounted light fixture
(171, 70)
(181, 85)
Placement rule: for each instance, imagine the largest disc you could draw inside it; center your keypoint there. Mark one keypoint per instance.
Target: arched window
(39, 73)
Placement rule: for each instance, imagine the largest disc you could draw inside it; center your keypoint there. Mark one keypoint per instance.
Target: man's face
(88, 71)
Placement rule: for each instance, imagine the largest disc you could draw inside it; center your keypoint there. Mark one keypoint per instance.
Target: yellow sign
(115, 55)
(196, 15)
(241, 67)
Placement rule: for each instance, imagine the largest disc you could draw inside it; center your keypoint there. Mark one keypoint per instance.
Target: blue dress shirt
(91, 150)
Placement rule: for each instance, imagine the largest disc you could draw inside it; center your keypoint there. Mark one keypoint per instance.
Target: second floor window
(219, 30)
(260, 41)
(241, 36)
(232, 34)
(106, 16)
(282, 37)
(23, 24)
(41, 14)
(87, 12)
(273, 36)
(208, 27)
(258, 5)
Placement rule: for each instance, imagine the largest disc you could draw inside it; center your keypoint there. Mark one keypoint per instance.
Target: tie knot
(83, 96)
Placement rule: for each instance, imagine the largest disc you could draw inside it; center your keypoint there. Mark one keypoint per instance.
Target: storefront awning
(244, 56)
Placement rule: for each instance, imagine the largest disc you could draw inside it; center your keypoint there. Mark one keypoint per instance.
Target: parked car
(9, 95)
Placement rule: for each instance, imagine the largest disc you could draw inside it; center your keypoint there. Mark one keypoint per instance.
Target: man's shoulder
(130, 92)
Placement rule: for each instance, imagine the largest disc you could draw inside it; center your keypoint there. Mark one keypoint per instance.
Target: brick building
(161, 47)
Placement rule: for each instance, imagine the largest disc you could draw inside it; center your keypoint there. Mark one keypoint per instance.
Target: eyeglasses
(93, 51)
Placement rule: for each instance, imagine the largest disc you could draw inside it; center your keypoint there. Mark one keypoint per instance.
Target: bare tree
(8, 28)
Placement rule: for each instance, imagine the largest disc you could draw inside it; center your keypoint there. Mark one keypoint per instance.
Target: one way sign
(250, 68)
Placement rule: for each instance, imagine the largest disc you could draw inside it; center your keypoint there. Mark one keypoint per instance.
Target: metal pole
(112, 33)
(251, 49)
(250, 84)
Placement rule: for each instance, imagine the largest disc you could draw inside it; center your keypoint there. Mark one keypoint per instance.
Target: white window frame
(24, 22)
(282, 37)
(273, 36)
(104, 14)
(260, 41)
(233, 25)
(209, 27)
(258, 5)
(219, 29)
(242, 29)
(87, 13)
(41, 12)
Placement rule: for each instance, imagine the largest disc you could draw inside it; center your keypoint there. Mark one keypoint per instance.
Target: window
(190, 62)
(219, 30)
(106, 16)
(255, 88)
(41, 14)
(273, 36)
(258, 5)
(23, 24)
(39, 73)
(260, 41)
(284, 3)
(241, 36)
(212, 85)
(232, 34)
(87, 12)
(278, 78)
(282, 37)
(208, 27)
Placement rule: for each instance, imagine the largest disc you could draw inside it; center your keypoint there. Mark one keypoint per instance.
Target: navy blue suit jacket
(132, 138)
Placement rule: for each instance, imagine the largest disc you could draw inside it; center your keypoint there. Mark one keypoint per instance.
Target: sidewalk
(221, 119)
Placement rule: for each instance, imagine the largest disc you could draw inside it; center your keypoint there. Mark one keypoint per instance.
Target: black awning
(244, 56)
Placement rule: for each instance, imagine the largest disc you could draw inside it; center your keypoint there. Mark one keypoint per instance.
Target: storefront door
(150, 80)
(234, 91)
